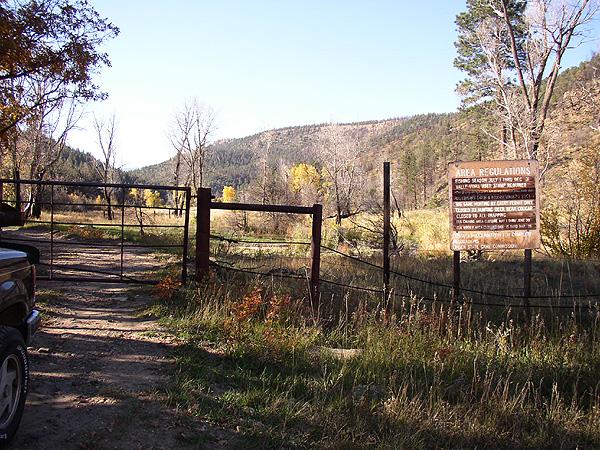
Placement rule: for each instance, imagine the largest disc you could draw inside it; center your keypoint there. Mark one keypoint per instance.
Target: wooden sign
(494, 205)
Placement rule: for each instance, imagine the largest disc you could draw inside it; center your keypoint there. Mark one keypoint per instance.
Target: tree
(229, 194)
(138, 198)
(571, 208)
(512, 51)
(409, 171)
(190, 136)
(263, 152)
(484, 54)
(152, 198)
(339, 157)
(106, 166)
(43, 141)
(306, 182)
(49, 42)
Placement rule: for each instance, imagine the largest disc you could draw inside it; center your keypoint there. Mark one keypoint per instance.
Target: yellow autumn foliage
(229, 194)
(304, 176)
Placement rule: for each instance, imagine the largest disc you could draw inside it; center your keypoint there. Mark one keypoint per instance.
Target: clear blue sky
(266, 64)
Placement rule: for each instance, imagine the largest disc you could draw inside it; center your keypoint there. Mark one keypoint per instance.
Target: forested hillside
(419, 147)
(238, 162)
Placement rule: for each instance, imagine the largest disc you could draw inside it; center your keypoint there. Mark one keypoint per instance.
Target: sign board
(494, 205)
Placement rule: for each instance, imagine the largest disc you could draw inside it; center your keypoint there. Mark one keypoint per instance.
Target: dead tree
(339, 157)
(106, 166)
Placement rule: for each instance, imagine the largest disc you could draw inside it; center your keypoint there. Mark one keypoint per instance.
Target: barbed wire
(407, 295)
(244, 241)
(349, 286)
(449, 286)
(254, 272)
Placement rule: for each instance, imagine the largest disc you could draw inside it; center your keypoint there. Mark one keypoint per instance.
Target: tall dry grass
(258, 357)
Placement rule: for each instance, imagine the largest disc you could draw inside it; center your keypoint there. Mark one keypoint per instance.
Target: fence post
(456, 281)
(386, 230)
(315, 251)
(186, 235)
(527, 282)
(52, 235)
(202, 233)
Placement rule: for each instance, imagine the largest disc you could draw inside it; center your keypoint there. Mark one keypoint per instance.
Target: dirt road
(98, 376)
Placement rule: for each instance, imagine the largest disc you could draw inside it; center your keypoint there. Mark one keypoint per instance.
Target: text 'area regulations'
(494, 205)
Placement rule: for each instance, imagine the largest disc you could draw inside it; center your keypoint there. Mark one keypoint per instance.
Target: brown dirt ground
(98, 376)
(100, 370)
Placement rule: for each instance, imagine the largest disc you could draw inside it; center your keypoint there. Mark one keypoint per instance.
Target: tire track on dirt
(98, 372)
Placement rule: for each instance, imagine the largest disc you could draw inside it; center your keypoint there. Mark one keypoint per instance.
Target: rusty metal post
(202, 233)
(123, 194)
(456, 281)
(51, 231)
(386, 231)
(315, 251)
(527, 283)
(186, 235)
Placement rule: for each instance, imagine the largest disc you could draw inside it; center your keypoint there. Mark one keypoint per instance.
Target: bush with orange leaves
(249, 306)
(257, 305)
(167, 287)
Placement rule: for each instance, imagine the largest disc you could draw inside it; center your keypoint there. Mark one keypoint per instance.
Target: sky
(267, 64)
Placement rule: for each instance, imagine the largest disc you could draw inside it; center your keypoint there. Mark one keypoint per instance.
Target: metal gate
(83, 236)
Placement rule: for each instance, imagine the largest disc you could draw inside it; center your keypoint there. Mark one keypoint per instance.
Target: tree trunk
(424, 186)
(504, 141)
(109, 211)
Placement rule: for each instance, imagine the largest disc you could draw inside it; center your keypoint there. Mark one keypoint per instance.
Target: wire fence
(576, 299)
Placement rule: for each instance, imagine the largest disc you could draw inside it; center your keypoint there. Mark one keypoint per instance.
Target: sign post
(494, 205)
(386, 231)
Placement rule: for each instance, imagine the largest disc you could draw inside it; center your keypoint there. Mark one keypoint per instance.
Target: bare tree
(178, 198)
(554, 27)
(44, 142)
(263, 152)
(190, 136)
(106, 166)
(136, 197)
(339, 157)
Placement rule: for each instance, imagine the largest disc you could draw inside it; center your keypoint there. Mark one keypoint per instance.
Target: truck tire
(14, 380)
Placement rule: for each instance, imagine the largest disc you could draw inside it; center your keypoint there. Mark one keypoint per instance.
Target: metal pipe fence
(57, 212)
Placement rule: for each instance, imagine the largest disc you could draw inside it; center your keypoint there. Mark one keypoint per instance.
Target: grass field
(257, 359)
(352, 371)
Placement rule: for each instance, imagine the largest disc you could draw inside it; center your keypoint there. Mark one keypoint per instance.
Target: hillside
(419, 147)
(236, 162)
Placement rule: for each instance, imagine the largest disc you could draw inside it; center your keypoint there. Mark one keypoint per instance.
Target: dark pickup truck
(19, 321)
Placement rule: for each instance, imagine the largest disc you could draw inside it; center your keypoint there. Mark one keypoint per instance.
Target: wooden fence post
(202, 233)
(456, 281)
(315, 252)
(386, 230)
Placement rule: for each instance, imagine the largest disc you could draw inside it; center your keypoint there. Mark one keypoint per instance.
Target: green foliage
(480, 21)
